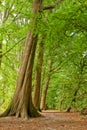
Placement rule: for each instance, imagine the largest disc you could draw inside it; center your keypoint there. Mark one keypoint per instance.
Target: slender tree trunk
(37, 85)
(21, 104)
(44, 93)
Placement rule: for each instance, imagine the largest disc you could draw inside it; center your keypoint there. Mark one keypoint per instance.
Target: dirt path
(52, 120)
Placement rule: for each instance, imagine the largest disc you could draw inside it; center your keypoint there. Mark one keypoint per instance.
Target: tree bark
(44, 93)
(21, 104)
(37, 85)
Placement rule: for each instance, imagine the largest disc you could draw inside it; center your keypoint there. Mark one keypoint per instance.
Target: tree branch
(52, 6)
(13, 46)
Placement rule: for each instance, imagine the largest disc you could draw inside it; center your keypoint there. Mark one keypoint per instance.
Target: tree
(37, 85)
(21, 104)
(80, 71)
(44, 92)
(65, 40)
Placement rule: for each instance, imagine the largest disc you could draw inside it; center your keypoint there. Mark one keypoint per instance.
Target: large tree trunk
(44, 93)
(21, 104)
(37, 85)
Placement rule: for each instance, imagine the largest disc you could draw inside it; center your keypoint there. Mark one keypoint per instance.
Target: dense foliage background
(65, 44)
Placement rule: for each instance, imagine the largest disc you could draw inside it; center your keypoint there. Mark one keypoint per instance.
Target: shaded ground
(52, 120)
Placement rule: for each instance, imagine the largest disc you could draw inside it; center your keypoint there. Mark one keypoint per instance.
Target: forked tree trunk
(44, 93)
(21, 104)
(37, 85)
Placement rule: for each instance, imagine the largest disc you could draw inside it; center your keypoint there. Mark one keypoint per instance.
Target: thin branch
(52, 6)
(13, 46)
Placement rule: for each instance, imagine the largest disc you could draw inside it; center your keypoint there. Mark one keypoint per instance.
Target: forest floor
(51, 120)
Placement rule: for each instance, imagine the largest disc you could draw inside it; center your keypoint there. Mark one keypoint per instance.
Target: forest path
(51, 120)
